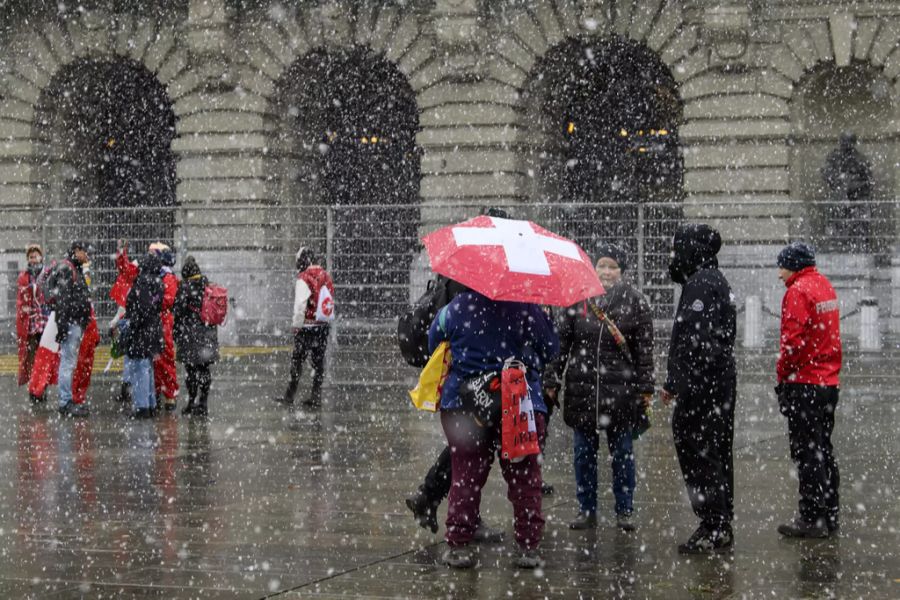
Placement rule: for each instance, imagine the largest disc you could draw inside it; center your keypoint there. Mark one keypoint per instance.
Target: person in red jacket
(31, 314)
(165, 374)
(808, 367)
(313, 313)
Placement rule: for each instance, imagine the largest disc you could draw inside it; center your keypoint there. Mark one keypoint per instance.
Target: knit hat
(304, 258)
(164, 252)
(190, 267)
(606, 250)
(796, 256)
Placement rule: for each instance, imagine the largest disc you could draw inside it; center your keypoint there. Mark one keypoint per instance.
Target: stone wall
(467, 62)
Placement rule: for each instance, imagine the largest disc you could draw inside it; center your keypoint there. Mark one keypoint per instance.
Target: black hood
(694, 247)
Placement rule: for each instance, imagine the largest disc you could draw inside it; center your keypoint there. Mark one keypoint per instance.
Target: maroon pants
(472, 450)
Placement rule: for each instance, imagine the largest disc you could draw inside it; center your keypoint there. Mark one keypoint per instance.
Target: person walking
(31, 314)
(483, 334)
(197, 342)
(142, 338)
(311, 325)
(808, 369)
(606, 354)
(72, 304)
(702, 381)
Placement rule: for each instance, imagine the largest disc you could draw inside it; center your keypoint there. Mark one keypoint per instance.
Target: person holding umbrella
(510, 268)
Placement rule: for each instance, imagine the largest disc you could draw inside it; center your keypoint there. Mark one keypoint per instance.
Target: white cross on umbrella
(525, 249)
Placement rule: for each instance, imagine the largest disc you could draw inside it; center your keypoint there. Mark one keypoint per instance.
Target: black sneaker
(487, 535)
(142, 413)
(801, 528)
(200, 410)
(704, 541)
(424, 511)
(461, 557)
(529, 559)
(584, 520)
(625, 522)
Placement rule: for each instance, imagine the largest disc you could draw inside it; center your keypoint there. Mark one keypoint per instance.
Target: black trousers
(311, 342)
(703, 428)
(199, 380)
(810, 414)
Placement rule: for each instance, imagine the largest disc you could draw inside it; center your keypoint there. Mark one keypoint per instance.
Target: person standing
(165, 374)
(31, 314)
(72, 305)
(142, 338)
(197, 342)
(809, 364)
(483, 334)
(313, 313)
(606, 353)
(702, 381)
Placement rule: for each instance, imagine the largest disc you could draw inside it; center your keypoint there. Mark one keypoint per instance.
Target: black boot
(124, 395)
(315, 398)
(189, 409)
(424, 510)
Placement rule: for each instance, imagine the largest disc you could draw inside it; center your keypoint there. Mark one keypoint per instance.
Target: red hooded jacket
(810, 331)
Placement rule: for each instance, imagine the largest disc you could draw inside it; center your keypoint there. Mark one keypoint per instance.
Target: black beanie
(190, 267)
(796, 256)
(605, 250)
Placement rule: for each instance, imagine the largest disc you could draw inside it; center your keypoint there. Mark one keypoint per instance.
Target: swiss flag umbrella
(511, 260)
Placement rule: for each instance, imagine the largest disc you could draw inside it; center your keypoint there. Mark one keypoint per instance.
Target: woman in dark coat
(607, 384)
(142, 339)
(197, 342)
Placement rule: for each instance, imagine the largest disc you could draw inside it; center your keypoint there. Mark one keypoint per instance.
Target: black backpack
(412, 329)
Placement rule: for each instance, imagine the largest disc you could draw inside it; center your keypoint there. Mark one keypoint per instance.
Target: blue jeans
(622, 452)
(138, 373)
(68, 359)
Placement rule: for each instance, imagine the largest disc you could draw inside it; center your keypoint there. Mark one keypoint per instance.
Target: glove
(781, 395)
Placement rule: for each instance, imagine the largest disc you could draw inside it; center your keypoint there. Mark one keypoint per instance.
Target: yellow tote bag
(427, 393)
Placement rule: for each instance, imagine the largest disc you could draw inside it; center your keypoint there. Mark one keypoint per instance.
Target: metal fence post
(869, 334)
(329, 238)
(753, 330)
(640, 245)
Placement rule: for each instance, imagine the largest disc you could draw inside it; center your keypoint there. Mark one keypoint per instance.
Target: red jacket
(810, 331)
(314, 277)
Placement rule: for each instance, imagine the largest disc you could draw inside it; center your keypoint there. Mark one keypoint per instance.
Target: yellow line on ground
(9, 363)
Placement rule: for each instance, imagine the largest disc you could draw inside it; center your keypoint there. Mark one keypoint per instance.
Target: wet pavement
(260, 500)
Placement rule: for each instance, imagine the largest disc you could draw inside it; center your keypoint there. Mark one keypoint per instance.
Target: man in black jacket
(71, 300)
(702, 381)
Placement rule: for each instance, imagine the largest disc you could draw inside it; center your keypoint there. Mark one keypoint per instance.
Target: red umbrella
(513, 260)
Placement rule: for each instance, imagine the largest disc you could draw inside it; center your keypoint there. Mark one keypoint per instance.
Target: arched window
(602, 139)
(348, 169)
(841, 156)
(105, 130)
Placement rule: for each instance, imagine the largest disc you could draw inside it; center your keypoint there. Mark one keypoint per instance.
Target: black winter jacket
(599, 379)
(70, 296)
(197, 342)
(143, 338)
(701, 352)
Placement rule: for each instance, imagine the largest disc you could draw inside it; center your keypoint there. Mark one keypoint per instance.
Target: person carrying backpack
(196, 340)
(313, 313)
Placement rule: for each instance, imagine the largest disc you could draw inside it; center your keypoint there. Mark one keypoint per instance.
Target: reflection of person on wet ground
(607, 358)
(483, 334)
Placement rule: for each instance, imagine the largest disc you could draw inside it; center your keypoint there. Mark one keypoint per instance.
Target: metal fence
(375, 254)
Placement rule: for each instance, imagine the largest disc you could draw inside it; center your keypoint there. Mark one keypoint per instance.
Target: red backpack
(214, 308)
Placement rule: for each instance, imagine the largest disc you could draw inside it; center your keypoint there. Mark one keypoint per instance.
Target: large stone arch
(40, 49)
(525, 37)
(270, 46)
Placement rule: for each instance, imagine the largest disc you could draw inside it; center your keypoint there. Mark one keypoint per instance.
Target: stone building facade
(757, 86)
